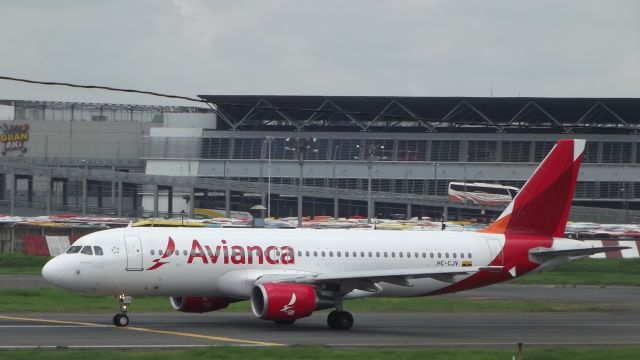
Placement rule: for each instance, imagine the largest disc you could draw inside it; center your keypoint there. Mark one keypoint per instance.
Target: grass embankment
(599, 272)
(20, 264)
(57, 300)
(318, 352)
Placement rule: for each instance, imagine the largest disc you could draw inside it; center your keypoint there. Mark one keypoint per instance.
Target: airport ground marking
(51, 321)
(135, 328)
(205, 337)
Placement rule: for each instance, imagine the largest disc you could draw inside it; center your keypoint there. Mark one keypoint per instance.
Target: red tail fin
(542, 205)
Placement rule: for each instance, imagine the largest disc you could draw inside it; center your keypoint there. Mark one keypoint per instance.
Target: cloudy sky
(331, 47)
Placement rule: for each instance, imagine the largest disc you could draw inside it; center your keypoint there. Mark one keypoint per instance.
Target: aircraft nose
(52, 271)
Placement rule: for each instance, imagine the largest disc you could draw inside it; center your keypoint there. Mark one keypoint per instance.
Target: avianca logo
(171, 246)
(230, 254)
(288, 309)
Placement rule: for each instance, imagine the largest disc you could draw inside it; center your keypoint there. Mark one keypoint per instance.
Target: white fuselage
(123, 267)
(217, 261)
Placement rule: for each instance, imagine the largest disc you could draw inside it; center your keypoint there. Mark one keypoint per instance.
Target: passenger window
(177, 252)
(74, 250)
(98, 250)
(86, 250)
(385, 254)
(323, 254)
(355, 254)
(338, 253)
(299, 253)
(461, 255)
(330, 253)
(306, 253)
(362, 254)
(152, 252)
(431, 255)
(315, 254)
(160, 252)
(409, 254)
(455, 255)
(446, 255)
(400, 254)
(346, 254)
(184, 252)
(377, 254)
(469, 255)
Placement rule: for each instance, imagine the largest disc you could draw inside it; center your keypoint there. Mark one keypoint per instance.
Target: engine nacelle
(200, 304)
(283, 302)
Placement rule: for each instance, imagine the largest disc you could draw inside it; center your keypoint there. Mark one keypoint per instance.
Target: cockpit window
(97, 250)
(86, 250)
(74, 250)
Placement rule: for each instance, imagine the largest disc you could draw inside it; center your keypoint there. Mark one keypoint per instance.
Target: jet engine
(284, 303)
(200, 304)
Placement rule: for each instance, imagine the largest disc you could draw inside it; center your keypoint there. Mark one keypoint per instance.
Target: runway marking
(206, 337)
(41, 326)
(50, 321)
(142, 346)
(134, 328)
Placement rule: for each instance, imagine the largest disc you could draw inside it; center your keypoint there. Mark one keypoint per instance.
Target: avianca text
(236, 254)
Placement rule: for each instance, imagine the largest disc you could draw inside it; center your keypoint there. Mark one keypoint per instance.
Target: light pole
(301, 146)
(335, 153)
(435, 179)
(371, 150)
(269, 140)
(625, 203)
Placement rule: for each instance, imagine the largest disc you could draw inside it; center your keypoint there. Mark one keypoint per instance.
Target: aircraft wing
(365, 279)
(547, 254)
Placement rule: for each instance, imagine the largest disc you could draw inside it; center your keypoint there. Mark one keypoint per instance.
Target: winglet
(542, 205)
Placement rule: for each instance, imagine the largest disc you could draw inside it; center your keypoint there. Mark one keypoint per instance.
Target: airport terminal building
(400, 152)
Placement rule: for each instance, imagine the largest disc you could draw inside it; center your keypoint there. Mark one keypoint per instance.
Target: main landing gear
(340, 319)
(121, 319)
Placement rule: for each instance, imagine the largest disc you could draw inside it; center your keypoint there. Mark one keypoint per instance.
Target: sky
(545, 48)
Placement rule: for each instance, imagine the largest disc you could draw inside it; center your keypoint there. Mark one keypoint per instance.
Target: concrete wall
(190, 120)
(82, 140)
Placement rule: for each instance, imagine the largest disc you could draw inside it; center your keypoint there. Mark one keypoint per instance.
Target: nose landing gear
(121, 319)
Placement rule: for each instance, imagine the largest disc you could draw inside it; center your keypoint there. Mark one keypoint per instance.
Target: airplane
(287, 274)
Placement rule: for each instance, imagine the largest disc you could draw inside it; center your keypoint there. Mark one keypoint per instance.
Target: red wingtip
(542, 205)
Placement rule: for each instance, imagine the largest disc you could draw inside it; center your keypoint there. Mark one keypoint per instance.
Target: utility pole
(269, 140)
(371, 151)
(301, 147)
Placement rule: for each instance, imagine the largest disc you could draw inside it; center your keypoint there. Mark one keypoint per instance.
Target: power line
(55, 83)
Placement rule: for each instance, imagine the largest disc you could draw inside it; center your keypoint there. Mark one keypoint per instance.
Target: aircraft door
(496, 252)
(134, 252)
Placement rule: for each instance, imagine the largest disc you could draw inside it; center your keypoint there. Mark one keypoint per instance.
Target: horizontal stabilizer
(546, 254)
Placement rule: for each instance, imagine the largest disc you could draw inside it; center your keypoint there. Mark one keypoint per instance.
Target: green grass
(320, 352)
(57, 300)
(20, 264)
(589, 272)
